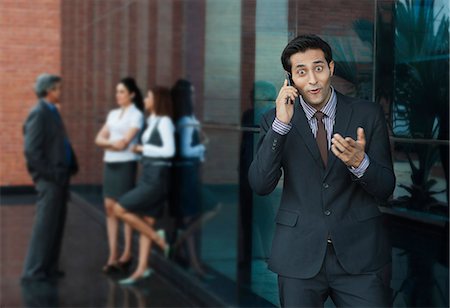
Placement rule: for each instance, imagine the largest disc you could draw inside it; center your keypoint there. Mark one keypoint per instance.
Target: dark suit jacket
(318, 202)
(44, 146)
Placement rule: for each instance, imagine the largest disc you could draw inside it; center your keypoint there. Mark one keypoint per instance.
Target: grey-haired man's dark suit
(50, 161)
(319, 203)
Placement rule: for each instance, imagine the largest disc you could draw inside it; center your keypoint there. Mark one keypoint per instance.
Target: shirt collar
(151, 118)
(129, 108)
(329, 109)
(49, 105)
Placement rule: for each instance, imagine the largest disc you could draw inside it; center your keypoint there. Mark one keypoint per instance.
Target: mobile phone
(289, 83)
(289, 79)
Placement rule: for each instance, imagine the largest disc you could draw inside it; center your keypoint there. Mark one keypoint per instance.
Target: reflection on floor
(420, 258)
(84, 252)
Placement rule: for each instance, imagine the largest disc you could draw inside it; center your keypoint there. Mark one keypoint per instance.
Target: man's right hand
(285, 111)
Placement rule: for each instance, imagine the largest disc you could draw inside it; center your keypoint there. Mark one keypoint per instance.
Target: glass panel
(220, 197)
(271, 38)
(353, 52)
(419, 111)
(393, 52)
(222, 107)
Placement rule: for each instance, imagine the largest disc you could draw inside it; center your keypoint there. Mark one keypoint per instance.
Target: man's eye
(301, 72)
(319, 68)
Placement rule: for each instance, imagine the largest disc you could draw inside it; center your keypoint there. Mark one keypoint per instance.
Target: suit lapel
(301, 126)
(343, 116)
(52, 117)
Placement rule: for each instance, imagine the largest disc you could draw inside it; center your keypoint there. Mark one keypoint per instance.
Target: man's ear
(331, 66)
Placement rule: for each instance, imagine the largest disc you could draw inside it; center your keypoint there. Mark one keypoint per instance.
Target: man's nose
(312, 78)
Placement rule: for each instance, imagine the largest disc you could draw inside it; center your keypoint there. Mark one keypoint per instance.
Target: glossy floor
(84, 252)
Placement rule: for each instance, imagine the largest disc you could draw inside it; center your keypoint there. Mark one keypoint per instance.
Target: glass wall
(393, 52)
(417, 32)
(418, 117)
(351, 37)
(221, 111)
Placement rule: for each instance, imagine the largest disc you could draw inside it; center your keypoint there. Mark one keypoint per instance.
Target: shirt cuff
(280, 127)
(359, 172)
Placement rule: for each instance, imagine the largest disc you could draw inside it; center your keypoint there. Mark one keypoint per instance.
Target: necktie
(321, 137)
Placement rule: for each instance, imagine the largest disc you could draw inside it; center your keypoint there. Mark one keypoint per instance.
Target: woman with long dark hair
(144, 204)
(117, 137)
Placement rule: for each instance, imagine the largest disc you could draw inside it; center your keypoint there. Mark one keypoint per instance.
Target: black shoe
(124, 266)
(110, 268)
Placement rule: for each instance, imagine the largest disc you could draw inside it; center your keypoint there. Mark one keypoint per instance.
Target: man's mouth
(314, 91)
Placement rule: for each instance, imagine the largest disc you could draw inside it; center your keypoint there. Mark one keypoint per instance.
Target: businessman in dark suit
(50, 161)
(333, 152)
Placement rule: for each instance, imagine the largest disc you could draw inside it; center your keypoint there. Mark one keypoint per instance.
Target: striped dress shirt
(329, 111)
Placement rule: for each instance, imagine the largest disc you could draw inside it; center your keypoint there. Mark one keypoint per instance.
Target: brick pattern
(30, 43)
(248, 42)
(93, 44)
(333, 21)
(102, 42)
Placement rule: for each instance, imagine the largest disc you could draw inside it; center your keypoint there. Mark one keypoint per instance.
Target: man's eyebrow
(314, 62)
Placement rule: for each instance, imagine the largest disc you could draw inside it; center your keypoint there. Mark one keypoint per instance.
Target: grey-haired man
(50, 161)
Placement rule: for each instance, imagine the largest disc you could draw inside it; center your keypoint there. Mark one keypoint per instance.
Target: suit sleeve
(379, 178)
(34, 135)
(265, 170)
(74, 166)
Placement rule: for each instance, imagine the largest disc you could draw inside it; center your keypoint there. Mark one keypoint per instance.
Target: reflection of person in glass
(186, 203)
(117, 137)
(141, 206)
(262, 99)
(334, 153)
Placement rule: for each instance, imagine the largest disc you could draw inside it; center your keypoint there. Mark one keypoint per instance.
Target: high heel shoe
(166, 251)
(129, 281)
(110, 268)
(162, 234)
(123, 266)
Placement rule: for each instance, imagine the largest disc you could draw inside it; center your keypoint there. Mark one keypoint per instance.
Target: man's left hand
(351, 152)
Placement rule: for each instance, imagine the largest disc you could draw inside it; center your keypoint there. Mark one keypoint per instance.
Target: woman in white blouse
(141, 206)
(117, 137)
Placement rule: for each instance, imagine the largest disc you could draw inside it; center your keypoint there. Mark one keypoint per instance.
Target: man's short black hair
(302, 43)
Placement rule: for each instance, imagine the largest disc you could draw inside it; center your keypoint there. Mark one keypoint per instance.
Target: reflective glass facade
(393, 52)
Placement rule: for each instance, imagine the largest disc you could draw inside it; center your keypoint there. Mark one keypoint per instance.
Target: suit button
(325, 185)
(327, 212)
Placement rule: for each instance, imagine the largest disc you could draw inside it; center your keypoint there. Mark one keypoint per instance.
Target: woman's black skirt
(118, 178)
(185, 189)
(149, 196)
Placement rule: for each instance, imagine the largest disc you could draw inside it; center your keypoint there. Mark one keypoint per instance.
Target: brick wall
(103, 41)
(30, 44)
(98, 42)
